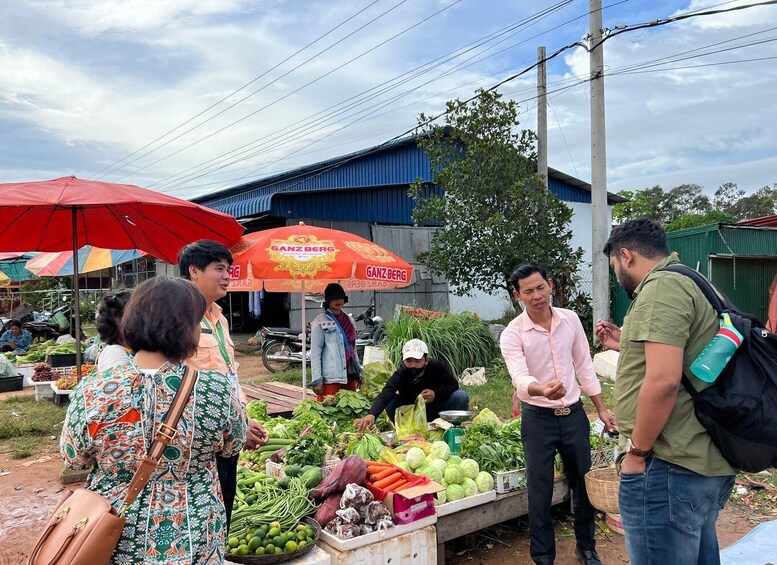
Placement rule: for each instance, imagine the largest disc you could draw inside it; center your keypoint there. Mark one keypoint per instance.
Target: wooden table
(505, 507)
(281, 398)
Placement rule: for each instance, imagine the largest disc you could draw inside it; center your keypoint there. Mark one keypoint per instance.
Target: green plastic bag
(410, 420)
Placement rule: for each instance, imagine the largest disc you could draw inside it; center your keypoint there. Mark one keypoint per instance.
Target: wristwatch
(631, 448)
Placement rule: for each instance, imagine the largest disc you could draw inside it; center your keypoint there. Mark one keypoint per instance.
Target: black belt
(565, 411)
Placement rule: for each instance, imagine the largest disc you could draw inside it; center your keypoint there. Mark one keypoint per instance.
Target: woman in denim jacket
(330, 357)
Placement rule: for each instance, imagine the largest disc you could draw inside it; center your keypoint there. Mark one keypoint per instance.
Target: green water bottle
(719, 351)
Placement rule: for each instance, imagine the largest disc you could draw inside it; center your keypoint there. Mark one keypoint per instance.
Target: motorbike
(57, 324)
(282, 347)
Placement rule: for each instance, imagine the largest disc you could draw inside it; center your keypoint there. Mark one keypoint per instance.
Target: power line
(249, 83)
(241, 153)
(449, 6)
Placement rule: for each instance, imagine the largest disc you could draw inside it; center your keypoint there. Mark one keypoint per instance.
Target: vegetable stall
(319, 481)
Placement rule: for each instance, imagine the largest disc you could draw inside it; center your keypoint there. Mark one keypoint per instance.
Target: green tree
(763, 202)
(682, 200)
(645, 203)
(696, 220)
(495, 211)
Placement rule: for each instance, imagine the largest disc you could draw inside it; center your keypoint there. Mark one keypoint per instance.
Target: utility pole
(599, 216)
(542, 115)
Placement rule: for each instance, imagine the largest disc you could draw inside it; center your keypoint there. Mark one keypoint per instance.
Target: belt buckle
(562, 411)
(167, 432)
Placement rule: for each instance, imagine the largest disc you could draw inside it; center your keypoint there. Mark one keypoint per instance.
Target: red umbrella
(67, 213)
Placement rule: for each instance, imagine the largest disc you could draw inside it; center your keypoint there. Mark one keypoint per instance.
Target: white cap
(414, 349)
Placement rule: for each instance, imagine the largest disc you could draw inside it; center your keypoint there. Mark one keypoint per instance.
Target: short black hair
(162, 316)
(525, 270)
(202, 253)
(642, 235)
(13, 323)
(109, 314)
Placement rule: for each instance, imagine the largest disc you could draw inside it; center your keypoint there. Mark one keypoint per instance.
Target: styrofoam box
(508, 481)
(26, 370)
(315, 556)
(43, 391)
(58, 391)
(464, 503)
(392, 535)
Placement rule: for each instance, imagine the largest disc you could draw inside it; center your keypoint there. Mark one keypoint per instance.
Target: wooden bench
(281, 398)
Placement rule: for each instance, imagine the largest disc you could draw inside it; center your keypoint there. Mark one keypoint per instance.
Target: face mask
(415, 371)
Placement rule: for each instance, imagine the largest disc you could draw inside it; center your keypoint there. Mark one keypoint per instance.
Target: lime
(275, 525)
(309, 531)
(234, 542)
(242, 550)
(301, 527)
(301, 536)
(277, 541)
(260, 551)
(284, 540)
(278, 550)
(269, 548)
(301, 544)
(255, 542)
(274, 532)
(291, 546)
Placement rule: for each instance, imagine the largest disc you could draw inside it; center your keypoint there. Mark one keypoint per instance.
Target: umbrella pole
(76, 302)
(304, 347)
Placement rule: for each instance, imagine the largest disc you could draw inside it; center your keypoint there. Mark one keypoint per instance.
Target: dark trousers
(227, 468)
(543, 434)
(459, 400)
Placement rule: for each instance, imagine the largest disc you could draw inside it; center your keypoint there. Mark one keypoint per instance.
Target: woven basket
(602, 483)
(279, 557)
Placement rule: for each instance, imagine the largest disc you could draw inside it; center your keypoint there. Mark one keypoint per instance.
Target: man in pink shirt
(547, 354)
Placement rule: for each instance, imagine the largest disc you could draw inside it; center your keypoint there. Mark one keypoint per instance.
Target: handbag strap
(342, 331)
(164, 435)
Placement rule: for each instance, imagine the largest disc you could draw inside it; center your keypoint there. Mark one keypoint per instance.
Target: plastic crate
(508, 481)
(8, 384)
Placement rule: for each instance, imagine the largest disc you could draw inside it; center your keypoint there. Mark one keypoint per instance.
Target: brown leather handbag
(85, 529)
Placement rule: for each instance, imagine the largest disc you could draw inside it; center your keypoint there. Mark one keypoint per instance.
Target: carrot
(383, 474)
(388, 480)
(399, 483)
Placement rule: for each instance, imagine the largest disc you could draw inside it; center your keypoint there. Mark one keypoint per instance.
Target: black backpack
(739, 410)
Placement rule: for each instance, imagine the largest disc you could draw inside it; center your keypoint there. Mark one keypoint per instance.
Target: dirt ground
(30, 489)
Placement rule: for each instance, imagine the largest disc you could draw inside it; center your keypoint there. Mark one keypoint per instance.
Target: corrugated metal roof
(765, 221)
(399, 162)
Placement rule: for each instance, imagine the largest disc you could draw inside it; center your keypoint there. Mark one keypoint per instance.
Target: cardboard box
(411, 504)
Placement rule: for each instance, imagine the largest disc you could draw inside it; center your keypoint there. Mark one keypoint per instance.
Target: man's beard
(628, 284)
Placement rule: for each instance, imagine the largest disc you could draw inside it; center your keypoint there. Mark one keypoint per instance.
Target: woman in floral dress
(179, 516)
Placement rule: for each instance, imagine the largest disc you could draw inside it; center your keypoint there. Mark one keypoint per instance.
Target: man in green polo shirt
(674, 481)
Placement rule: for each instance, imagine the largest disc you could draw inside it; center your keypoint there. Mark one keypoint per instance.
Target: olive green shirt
(668, 308)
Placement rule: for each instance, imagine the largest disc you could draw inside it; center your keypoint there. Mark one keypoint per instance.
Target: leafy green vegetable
(367, 446)
(376, 375)
(307, 451)
(257, 410)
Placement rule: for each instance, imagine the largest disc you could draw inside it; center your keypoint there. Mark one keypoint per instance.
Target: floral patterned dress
(179, 517)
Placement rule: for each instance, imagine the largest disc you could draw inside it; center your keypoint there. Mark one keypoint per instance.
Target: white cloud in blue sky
(87, 83)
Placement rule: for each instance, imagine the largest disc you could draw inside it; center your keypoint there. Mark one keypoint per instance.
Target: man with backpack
(673, 479)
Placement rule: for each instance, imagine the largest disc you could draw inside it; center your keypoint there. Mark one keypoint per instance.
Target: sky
(189, 97)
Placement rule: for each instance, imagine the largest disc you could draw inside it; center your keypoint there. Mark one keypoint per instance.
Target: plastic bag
(7, 368)
(388, 455)
(355, 496)
(474, 376)
(410, 420)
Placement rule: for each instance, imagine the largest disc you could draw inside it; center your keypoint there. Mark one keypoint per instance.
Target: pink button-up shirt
(534, 355)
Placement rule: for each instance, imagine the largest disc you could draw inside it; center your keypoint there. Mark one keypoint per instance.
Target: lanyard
(220, 340)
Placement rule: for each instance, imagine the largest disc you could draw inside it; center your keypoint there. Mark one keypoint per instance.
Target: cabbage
(439, 450)
(438, 464)
(454, 492)
(454, 460)
(433, 473)
(470, 468)
(470, 487)
(487, 417)
(440, 498)
(421, 470)
(484, 481)
(415, 457)
(453, 474)
(403, 465)
(443, 482)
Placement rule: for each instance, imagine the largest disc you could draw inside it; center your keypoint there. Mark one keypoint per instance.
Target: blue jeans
(669, 514)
